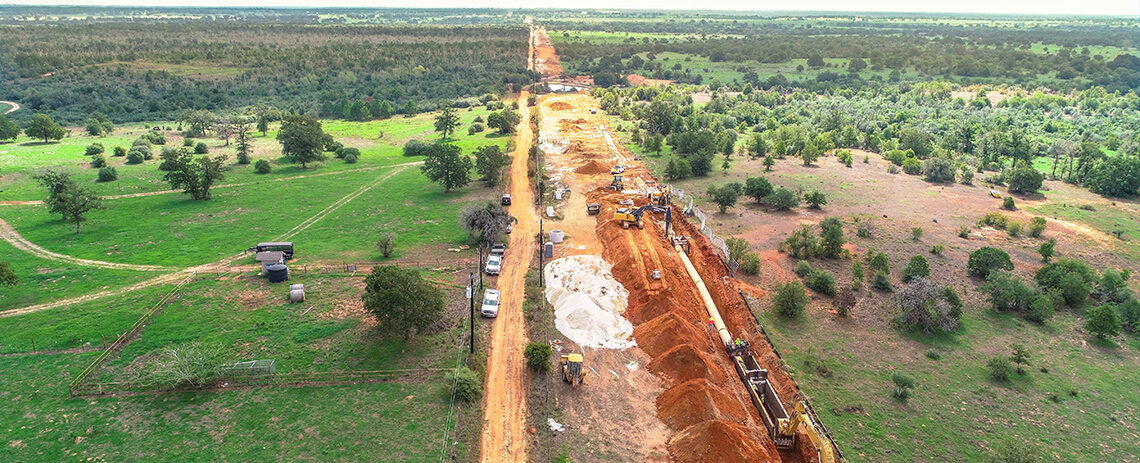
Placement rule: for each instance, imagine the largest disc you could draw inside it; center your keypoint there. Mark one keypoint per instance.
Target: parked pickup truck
(490, 307)
(494, 265)
(498, 249)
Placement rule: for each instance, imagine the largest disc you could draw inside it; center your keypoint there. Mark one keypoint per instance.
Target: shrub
(350, 158)
(98, 161)
(967, 176)
(1025, 179)
(994, 219)
(108, 174)
(878, 262)
(201, 148)
(815, 199)
(782, 199)
(1036, 227)
(881, 281)
(344, 152)
(1014, 229)
(924, 304)
(821, 282)
(933, 354)
(1113, 285)
(465, 385)
(999, 368)
(190, 364)
(538, 356)
(937, 249)
(790, 299)
(856, 274)
(750, 264)
(903, 384)
(863, 230)
(475, 128)
(986, 259)
(1072, 277)
(1040, 309)
(917, 267)
(891, 169)
(801, 244)
(938, 170)
(831, 238)
(187, 142)
(242, 157)
(154, 137)
(1102, 321)
(94, 148)
(803, 269)
(1007, 293)
(1007, 203)
(262, 167)
(417, 148)
(1130, 315)
(333, 147)
(119, 151)
(845, 301)
(386, 244)
(916, 233)
(1013, 452)
(964, 232)
(912, 166)
(135, 157)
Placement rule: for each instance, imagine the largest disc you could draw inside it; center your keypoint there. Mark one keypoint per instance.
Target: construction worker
(712, 325)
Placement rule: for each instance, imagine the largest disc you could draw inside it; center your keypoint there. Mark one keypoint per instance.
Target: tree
(757, 145)
(903, 383)
(725, 196)
(986, 260)
(1073, 278)
(538, 356)
(1046, 249)
(302, 139)
(938, 170)
(1117, 176)
(505, 120)
(401, 300)
(7, 276)
(194, 176)
(791, 299)
(809, 154)
(782, 199)
(244, 143)
(916, 268)
(769, 161)
(1025, 179)
(264, 114)
(654, 143)
(54, 180)
(815, 199)
(465, 384)
(42, 126)
(386, 244)
(484, 223)
(197, 122)
(98, 125)
(1000, 369)
(444, 165)
(489, 162)
(446, 122)
(737, 248)
(831, 237)
(928, 306)
(757, 188)
(224, 129)
(1019, 357)
(8, 130)
(73, 201)
(1102, 321)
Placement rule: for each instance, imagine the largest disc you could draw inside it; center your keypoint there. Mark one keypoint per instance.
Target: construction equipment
(628, 216)
(616, 184)
(824, 448)
(661, 197)
(593, 209)
(572, 371)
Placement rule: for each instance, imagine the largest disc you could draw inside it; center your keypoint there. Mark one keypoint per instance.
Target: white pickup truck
(490, 306)
(494, 265)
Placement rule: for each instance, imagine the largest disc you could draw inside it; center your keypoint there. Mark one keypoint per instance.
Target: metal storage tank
(278, 273)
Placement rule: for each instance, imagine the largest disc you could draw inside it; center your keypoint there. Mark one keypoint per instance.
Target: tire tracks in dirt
(176, 274)
(505, 386)
(9, 234)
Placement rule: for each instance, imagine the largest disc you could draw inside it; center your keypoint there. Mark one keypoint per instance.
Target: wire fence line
(241, 381)
(716, 241)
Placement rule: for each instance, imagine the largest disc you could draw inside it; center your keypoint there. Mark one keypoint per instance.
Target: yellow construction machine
(822, 444)
(629, 216)
(572, 371)
(660, 196)
(616, 184)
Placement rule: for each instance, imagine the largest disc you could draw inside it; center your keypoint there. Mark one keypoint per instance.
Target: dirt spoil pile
(684, 363)
(592, 168)
(698, 400)
(660, 334)
(717, 442)
(560, 106)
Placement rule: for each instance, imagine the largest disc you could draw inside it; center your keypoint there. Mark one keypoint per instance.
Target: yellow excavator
(572, 371)
(801, 415)
(629, 216)
(661, 197)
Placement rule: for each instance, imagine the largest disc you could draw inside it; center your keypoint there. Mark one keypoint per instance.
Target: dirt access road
(14, 106)
(505, 390)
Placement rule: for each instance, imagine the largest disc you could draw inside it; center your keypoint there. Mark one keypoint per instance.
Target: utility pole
(471, 297)
(541, 254)
(480, 265)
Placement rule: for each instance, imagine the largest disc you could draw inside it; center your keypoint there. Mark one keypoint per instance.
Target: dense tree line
(115, 68)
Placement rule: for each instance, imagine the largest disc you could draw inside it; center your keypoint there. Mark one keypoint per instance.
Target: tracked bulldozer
(630, 216)
(572, 371)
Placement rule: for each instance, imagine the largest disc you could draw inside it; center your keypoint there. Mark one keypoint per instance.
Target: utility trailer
(763, 396)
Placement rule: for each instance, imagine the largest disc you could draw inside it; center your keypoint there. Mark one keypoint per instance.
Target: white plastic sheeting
(588, 302)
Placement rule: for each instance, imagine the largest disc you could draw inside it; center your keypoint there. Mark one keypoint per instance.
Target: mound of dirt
(715, 442)
(695, 401)
(685, 363)
(592, 168)
(660, 334)
(560, 106)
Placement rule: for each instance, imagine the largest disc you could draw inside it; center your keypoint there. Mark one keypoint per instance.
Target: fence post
(104, 340)
(33, 345)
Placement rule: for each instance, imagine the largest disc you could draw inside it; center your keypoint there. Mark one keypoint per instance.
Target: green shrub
(1007, 203)
(1130, 315)
(187, 142)
(201, 148)
(1040, 309)
(344, 152)
(856, 274)
(98, 161)
(108, 174)
(903, 384)
(1025, 179)
(916, 233)
(119, 151)
(135, 157)
(538, 356)
(782, 199)
(350, 158)
(994, 219)
(262, 167)
(801, 244)
(821, 282)
(333, 147)
(815, 199)
(803, 269)
(881, 281)
(1014, 229)
(790, 299)
(94, 148)
(878, 262)
(933, 354)
(937, 249)
(999, 368)
(912, 166)
(465, 385)
(1103, 322)
(1014, 451)
(964, 232)
(1036, 227)
(986, 260)
(750, 264)
(1046, 249)
(917, 267)
(1072, 277)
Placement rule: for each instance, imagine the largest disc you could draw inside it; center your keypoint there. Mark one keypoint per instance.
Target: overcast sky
(1086, 7)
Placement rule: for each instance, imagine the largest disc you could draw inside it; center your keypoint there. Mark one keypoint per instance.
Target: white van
(490, 303)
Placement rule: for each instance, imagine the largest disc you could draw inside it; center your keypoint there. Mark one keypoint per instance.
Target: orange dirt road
(505, 387)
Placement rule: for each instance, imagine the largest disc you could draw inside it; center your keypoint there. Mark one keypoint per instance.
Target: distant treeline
(120, 68)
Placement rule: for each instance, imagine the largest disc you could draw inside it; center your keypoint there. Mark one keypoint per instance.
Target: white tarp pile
(588, 302)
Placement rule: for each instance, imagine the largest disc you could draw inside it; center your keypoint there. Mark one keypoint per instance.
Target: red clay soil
(685, 363)
(698, 400)
(560, 106)
(592, 168)
(717, 441)
(660, 334)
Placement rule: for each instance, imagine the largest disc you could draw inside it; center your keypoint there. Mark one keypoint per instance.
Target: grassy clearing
(401, 421)
(956, 411)
(42, 280)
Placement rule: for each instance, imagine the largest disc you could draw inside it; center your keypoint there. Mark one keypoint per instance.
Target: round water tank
(278, 273)
(556, 236)
(296, 295)
(296, 287)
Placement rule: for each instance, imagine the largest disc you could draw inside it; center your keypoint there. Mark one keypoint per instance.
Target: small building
(267, 258)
